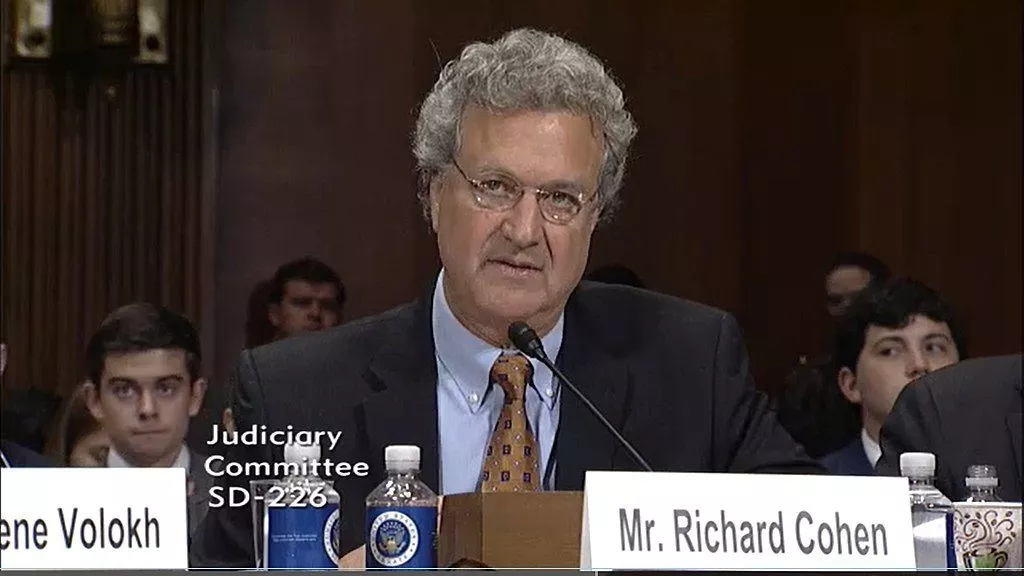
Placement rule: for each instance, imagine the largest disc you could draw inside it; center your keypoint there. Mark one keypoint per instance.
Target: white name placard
(93, 518)
(665, 521)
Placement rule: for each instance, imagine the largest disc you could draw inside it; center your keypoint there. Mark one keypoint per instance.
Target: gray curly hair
(524, 70)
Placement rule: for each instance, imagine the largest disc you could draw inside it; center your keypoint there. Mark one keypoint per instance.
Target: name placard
(665, 521)
(93, 518)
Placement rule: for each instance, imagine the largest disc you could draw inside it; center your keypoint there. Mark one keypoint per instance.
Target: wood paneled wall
(772, 134)
(103, 200)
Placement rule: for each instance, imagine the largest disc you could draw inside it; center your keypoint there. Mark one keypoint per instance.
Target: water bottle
(930, 511)
(401, 515)
(303, 516)
(982, 482)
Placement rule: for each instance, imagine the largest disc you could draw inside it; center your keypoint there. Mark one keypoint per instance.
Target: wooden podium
(511, 530)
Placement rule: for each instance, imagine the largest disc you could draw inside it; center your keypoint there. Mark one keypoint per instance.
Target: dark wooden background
(772, 134)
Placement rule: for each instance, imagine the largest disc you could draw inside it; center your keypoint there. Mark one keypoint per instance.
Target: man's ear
(274, 314)
(195, 403)
(436, 188)
(848, 385)
(92, 400)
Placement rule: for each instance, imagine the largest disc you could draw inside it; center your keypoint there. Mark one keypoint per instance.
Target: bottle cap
(299, 453)
(982, 476)
(402, 458)
(917, 464)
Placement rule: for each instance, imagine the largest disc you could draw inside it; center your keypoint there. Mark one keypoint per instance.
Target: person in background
(616, 274)
(144, 387)
(850, 273)
(78, 439)
(305, 295)
(966, 414)
(258, 329)
(13, 455)
(888, 337)
(809, 403)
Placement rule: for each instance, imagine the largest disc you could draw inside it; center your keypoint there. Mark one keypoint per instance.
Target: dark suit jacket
(21, 457)
(851, 460)
(671, 374)
(966, 414)
(200, 482)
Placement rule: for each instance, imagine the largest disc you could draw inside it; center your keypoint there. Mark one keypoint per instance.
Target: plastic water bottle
(930, 511)
(303, 516)
(401, 515)
(981, 483)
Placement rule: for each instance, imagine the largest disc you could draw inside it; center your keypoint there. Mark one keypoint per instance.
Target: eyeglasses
(500, 194)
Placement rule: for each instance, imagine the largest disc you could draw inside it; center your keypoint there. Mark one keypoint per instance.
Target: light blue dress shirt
(468, 408)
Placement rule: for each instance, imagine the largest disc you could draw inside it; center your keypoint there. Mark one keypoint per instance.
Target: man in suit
(965, 414)
(888, 337)
(13, 455)
(143, 388)
(521, 146)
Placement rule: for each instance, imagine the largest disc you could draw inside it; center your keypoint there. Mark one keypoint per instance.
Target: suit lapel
(582, 442)
(403, 408)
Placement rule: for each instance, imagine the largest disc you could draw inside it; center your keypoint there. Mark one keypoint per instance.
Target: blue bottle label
(401, 537)
(303, 538)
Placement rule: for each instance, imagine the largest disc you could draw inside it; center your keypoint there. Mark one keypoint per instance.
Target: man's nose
(917, 365)
(524, 222)
(147, 407)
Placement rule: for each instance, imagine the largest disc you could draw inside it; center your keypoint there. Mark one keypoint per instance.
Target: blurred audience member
(12, 454)
(78, 439)
(850, 273)
(888, 337)
(615, 274)
(966, 414)
(27, 416)
(144, 387)
(305, 296)
(258, 329)
(809, 403)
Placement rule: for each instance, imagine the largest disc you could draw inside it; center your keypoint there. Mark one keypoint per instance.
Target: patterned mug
(987, 535)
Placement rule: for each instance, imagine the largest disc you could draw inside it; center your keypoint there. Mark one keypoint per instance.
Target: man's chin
(510, 307)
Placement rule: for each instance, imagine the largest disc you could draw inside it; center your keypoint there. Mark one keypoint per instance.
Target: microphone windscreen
(521, 335)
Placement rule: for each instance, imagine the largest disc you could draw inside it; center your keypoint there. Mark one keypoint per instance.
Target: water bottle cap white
(917, 464)
(299, 453)
(402, 458)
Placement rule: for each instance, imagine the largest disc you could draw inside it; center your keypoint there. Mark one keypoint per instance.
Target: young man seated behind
(888, 337)
(144, 387)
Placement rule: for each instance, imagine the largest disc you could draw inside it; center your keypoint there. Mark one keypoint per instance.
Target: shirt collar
(115, 460)
(468, 359)
(871, 448)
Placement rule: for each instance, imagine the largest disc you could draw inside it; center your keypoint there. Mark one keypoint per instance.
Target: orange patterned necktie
(512, 454)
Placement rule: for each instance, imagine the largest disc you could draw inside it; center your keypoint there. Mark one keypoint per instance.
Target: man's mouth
(524, 265)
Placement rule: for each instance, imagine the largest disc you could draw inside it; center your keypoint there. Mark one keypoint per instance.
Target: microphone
(527, 341)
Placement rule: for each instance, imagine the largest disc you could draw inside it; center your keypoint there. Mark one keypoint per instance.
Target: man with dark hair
(850, 273)
(306, 295)
(12, 454)
(809, 404)
(143, 387)
(966, 414)
(888, 337)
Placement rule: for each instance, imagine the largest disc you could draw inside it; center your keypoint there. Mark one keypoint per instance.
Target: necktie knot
(513, 372)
